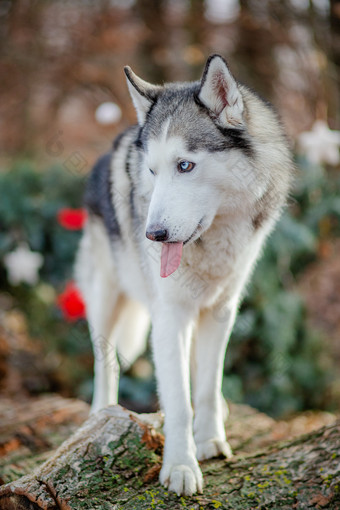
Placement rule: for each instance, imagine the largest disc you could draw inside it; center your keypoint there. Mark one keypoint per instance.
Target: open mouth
(197, 229)
(172, 253)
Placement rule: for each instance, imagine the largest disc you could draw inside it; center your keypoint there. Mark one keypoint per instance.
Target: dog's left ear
(143, 94)
(219, 92)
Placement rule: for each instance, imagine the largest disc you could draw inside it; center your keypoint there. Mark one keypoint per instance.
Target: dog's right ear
(143, 94)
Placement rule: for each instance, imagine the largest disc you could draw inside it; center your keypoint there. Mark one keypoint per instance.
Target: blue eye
(185, 166)
(153, 173)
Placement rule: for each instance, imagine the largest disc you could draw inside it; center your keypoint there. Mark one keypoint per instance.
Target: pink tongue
(170, 258)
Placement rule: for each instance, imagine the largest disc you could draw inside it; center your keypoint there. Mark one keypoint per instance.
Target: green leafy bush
(275, 361)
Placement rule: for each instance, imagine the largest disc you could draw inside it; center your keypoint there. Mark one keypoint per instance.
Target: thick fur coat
(178, 214)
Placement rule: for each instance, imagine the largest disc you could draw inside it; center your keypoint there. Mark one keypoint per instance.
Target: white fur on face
(182, 201)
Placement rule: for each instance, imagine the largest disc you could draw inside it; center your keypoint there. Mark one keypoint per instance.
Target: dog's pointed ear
(143, 94)
(220, 93)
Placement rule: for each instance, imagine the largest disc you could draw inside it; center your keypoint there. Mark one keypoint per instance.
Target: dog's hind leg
(131, 332)
(95, 275)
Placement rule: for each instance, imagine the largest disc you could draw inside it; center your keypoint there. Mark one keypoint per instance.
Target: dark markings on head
(138, 142)
(98, 194)
(190, 120)
(232, 138)
(128, 171)
(117, 141)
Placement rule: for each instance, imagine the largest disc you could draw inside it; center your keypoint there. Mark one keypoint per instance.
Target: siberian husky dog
(178, 214)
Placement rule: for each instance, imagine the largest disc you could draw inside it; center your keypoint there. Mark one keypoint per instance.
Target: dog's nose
(157, 234)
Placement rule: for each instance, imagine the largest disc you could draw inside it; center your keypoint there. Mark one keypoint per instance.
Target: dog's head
(195, 148)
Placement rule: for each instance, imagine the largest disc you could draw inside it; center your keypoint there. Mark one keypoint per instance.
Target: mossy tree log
(113, 462)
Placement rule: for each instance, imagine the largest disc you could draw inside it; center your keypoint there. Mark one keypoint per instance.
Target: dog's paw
(213, 448)
(184, 479)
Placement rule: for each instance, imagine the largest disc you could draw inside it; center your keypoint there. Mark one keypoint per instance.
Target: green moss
(263, 485)
(109, 480)
(216, 504)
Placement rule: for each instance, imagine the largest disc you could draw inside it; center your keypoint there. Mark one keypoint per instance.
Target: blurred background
(63, 98)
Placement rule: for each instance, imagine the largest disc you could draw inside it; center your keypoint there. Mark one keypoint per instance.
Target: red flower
(71, 303)
(72, 219)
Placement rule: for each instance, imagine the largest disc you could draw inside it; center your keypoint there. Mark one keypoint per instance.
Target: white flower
(23, 265)
(321, 144)
(108, 113)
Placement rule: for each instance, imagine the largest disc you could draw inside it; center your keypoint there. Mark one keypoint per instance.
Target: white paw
(184, 479)
(213, 448)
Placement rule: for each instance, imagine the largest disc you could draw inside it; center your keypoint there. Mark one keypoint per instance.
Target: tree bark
(114, 458)
(33, 428)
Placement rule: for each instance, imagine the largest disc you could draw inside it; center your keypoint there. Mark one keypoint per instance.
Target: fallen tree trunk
(113, 462)
(31, 429)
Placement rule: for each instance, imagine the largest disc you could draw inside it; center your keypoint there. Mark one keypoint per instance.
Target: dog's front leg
(211, 340)
(171, 336)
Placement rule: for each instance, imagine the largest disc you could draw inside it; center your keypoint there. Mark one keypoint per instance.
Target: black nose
(157, 234)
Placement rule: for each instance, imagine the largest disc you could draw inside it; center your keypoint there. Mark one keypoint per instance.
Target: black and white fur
(222, 210)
